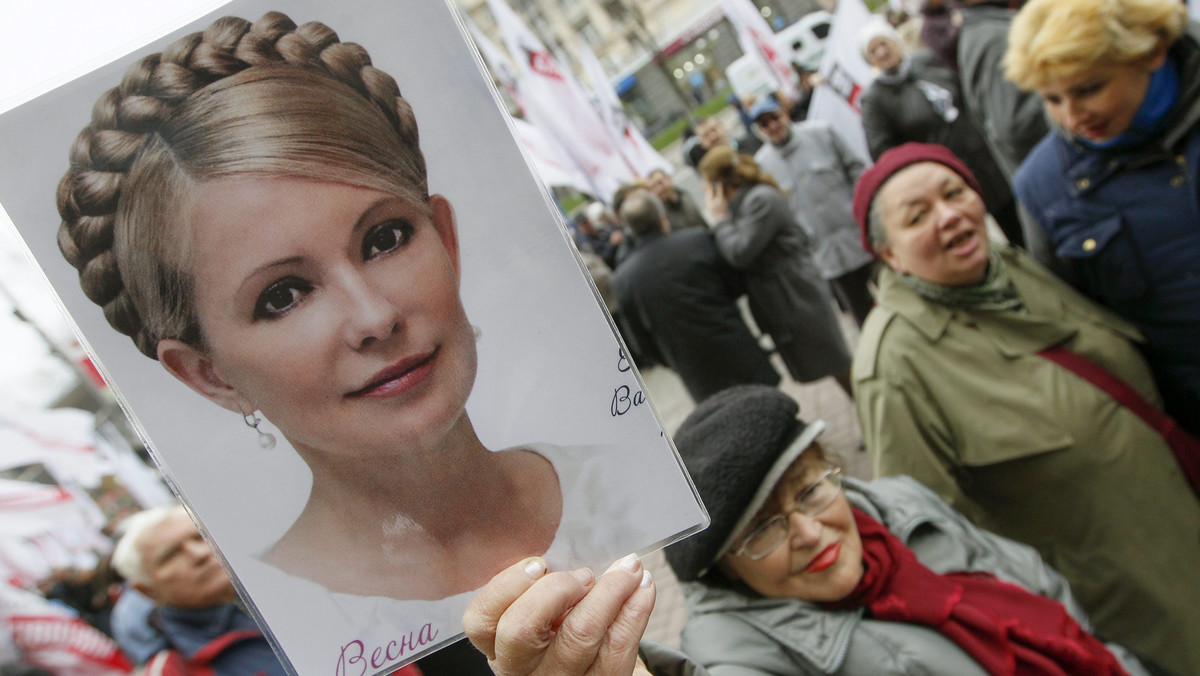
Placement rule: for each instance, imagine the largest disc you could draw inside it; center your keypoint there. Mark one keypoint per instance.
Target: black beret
(730, 445)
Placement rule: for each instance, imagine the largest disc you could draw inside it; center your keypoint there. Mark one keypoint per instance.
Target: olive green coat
(961, 401)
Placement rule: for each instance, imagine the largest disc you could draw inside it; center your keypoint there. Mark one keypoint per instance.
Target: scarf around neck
(1006, 629)
(1161, 95)
(995, 293)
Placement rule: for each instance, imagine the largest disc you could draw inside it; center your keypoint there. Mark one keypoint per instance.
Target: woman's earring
(478, 332)
(265, 439)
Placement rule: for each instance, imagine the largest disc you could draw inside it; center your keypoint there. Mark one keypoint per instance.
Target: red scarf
(1005, 628)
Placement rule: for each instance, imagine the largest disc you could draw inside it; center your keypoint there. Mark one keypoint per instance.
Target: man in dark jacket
(676, 304)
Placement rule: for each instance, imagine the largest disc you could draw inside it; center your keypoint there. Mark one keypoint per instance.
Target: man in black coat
(676, 304)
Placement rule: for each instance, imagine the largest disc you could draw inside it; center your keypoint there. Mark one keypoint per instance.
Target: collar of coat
(1052, 310)
(822, 636)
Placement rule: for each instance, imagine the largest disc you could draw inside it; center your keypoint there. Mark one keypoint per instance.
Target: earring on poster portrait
(477, 331)
(266, 440)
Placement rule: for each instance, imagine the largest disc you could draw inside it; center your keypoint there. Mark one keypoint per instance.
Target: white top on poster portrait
(381, 374)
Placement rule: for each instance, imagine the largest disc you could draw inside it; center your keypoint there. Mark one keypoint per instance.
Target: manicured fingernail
(647, 579)
(535, 568)
(584, 575)
(629, 564)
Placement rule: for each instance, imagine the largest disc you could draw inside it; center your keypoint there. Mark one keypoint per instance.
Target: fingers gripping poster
(310, 258)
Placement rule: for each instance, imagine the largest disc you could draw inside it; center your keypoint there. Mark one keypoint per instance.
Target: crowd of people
(1022, 259)
(1026, 378)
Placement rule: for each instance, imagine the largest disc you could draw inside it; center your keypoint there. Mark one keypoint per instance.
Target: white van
(803, 43)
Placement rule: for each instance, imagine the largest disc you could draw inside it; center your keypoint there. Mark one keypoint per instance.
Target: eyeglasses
(810, 500)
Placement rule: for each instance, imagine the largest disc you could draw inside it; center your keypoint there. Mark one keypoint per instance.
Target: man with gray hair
(195, 614)
(676, 304)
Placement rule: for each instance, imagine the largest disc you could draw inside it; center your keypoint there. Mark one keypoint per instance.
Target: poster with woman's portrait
(311, 260)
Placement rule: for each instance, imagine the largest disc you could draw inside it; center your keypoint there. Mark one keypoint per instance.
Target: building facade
(664, 57)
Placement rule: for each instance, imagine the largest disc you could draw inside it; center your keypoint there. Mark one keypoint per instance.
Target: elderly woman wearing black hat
(803, 571)
(1025, 405)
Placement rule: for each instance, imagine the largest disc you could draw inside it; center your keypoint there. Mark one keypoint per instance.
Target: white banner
(845, 77)
(553, 164)
(757, 39)
(555, 102)
(629, 139)
(497, 61)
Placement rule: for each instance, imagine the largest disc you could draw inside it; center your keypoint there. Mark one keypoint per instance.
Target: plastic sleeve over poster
(312, 224)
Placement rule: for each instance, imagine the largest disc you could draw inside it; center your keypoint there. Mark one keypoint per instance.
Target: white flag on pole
(845, 76)
(551, 161)
(556, 103)
(629, 139)
(497, 61)
(757, 39)
(553, 164)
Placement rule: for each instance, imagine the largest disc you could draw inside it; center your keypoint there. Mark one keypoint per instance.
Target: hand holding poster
(255, 208)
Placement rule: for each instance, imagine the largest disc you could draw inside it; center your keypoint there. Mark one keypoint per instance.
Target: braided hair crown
(265, 99)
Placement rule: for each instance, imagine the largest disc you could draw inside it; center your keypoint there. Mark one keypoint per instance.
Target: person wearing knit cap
(1024, 404)
(878, 34)
(915, 98)
(803, 571)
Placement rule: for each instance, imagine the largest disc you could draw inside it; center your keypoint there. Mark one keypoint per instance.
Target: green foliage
(572, 199)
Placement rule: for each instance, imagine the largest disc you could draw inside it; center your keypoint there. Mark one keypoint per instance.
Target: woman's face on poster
(332, 309)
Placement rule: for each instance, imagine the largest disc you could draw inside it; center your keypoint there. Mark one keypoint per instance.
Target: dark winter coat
(676, 305)
(1011, 121)
(1128, 225)
(788, 296)
(894, 113)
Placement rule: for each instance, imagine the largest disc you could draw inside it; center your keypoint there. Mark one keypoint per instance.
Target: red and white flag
(47, 636)
(758, 40)
(629, 139)
(556, 103)
(551, 161)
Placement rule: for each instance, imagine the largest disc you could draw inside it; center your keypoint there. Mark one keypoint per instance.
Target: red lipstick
(399, 378)
(825, 559)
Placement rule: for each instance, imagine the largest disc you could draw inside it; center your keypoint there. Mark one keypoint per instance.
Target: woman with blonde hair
(1114, 184)
(251, 207)
(756, 232)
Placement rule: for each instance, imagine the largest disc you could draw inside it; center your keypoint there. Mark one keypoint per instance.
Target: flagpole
(648, 43)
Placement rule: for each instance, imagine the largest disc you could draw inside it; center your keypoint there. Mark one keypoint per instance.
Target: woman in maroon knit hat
(1026, 405)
